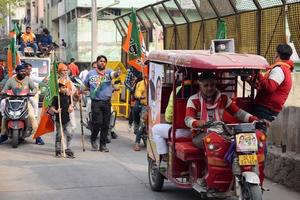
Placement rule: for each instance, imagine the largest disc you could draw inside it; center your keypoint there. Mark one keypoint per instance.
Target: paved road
(32, 172)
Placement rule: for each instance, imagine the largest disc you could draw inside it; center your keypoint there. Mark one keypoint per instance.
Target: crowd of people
(97, 80)
(44, 43)
(206, 105)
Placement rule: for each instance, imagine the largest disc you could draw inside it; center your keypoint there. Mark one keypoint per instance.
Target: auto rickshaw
(220, 175)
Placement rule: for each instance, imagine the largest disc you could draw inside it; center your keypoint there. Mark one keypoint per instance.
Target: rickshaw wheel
(156, 179)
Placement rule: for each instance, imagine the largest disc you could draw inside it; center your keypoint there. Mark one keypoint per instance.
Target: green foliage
(4, 5)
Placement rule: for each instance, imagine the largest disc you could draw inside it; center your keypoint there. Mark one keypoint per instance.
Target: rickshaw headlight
(211, 147)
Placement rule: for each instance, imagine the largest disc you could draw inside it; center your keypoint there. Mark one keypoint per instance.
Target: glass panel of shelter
(163, 15)
(206, 10)
(224, 7)
(123, 24)
(147, 22)
(119, 27)
(245, 5)
(292, 1)
(189, 9)
(149, 12)
(174, 12)
(269, 3)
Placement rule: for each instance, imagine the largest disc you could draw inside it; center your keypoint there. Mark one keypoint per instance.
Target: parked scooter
(16, 120)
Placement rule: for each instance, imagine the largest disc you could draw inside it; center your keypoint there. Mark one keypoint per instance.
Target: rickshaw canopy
(202, 59)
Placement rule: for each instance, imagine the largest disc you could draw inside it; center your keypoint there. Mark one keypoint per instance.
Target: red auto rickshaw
(225, 168)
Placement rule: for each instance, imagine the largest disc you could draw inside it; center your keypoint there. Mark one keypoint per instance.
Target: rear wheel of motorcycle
(156, 179)
(15, 138)
(251, 192)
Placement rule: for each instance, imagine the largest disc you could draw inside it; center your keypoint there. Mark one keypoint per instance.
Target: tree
(5, 11)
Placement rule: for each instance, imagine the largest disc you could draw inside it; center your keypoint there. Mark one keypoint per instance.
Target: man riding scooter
(18, 82)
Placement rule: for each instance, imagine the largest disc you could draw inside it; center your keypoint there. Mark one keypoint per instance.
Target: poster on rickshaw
(156, 74)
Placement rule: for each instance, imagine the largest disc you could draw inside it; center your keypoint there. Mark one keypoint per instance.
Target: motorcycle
(16, 120)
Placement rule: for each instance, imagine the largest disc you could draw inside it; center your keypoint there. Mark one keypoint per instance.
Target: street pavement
(33, 172)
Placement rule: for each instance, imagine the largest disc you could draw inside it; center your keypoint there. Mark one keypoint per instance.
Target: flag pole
(62, 140)
(81, 122)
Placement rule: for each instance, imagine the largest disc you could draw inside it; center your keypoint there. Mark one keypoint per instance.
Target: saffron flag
(134, 45)
(13, 58)
(46, 124)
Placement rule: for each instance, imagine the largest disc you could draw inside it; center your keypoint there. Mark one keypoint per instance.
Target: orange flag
(13, 58)
(134, 45)
(46, 124)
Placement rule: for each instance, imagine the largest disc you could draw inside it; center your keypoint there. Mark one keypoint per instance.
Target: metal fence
(256, 25)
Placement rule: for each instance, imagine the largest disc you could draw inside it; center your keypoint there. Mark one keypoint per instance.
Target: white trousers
(160, 134)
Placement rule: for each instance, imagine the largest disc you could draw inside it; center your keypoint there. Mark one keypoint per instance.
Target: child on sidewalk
(65, 109)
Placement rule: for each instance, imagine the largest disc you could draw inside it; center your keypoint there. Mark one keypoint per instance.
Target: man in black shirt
(64, 110)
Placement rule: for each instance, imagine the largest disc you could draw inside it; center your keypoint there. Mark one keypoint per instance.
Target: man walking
(99, 82)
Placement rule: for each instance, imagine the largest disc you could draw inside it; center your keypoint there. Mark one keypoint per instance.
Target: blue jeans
(32, 45)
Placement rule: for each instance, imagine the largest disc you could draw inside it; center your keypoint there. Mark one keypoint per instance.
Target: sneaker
(69, 153)
(3, 138)
(39, 141)
(94, 145)
(136, 147)
(114, 135)
(103, 149)
(57, 154)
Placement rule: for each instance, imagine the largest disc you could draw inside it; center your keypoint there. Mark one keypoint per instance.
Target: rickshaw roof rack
(203, 59)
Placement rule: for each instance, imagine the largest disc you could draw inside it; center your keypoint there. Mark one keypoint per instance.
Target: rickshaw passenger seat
(179, 113)
(186, 151)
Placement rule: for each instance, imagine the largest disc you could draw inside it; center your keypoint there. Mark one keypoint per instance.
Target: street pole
(9, 17)
(94, 40)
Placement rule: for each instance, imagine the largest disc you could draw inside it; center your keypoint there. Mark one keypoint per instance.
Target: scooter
(16, 119)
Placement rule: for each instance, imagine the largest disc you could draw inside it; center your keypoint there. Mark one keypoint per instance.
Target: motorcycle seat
(186, 151)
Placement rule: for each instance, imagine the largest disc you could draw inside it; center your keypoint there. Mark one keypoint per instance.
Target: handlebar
(229, 128)
(3, 95)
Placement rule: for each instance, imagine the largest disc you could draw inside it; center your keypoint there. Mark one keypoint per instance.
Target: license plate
(247, 159)
(246, 142)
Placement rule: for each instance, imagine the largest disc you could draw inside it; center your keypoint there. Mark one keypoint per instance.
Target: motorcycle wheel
(156, 179)
(15, 138)
(251, 192)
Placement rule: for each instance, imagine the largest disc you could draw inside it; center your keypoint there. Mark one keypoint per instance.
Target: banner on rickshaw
(156, 75)
(134, 45)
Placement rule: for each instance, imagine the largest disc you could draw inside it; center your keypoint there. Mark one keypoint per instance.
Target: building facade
(71, 20)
